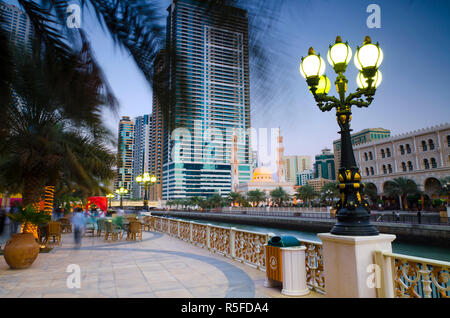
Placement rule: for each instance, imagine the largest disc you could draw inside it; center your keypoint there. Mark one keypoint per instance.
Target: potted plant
(22, 249)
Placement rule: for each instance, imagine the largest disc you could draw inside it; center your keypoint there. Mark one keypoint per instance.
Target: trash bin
(285, 265)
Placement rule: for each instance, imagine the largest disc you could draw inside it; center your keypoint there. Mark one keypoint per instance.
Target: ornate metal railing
(244, 246)
(315, 276)
(413, 277)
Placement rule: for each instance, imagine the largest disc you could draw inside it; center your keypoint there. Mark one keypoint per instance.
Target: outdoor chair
(66, 226)
(112, 230)
(134, 231)
(100, 226)
(90, 226)
(55, 231)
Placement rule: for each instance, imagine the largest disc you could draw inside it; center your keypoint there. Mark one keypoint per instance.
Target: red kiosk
(101, 202)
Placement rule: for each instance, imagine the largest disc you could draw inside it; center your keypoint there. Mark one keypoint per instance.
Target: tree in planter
(306, 193)
(279, 196)
(30, 218)
(401, 188)
(256, 197)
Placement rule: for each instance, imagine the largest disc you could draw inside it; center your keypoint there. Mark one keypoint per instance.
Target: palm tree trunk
(32, 190)
(400, 201)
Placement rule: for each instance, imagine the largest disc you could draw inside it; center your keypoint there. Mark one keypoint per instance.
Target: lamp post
(145, 179)
(353, 214)
(109, 196)
(121, 192)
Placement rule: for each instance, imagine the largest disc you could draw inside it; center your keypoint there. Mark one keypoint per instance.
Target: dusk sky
(414, 93)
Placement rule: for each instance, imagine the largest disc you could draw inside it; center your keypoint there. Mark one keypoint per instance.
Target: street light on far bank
(353, 214)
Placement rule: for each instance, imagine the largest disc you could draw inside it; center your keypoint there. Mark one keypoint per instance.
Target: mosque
(262, 176)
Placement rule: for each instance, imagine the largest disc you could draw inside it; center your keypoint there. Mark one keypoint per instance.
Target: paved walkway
(158, 266)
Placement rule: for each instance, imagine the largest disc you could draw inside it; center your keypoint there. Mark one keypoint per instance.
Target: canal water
(412, 249)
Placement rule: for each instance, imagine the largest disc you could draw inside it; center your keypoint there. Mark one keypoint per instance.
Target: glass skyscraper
(125, 142)
(18, 25)
(141, 151)
(208, 83)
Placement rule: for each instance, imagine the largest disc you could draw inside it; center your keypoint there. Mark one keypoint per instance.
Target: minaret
(234, 164)
(280, 160)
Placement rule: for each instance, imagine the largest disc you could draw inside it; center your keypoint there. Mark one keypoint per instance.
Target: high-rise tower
(17, 23)
(125, 155)
(141, 151)
(209, 99)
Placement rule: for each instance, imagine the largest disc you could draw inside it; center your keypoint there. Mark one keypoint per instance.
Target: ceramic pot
(21, 250)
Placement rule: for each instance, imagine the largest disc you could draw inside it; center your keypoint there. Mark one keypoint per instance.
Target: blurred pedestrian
(79, 223)
(2, 220)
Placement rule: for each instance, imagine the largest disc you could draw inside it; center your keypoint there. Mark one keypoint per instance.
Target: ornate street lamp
(109, 196)
(353, 214)
(145, 179)
(121, 192)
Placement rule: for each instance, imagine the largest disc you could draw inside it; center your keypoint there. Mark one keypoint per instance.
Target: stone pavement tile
(160, 276)
(208, 291)
(165, 285)
(32, 293)
(177, 293)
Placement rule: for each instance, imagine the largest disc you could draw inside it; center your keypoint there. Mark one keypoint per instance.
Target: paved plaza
(157, 266)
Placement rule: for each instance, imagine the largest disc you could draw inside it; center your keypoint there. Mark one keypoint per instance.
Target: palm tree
(256, 196)
(235, 198)
(279, 196)
(329, 192)
(45, 140)
(401, 188)
(370, 190)
(306, 193)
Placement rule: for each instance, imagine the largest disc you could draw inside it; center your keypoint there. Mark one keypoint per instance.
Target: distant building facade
(318, 183)
(324, 165)
(422, 155)
(125, 144)
(295, 165)
(304, 176)
(358, 138)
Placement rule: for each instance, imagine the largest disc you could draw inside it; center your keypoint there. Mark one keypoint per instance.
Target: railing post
(232, 242)
(384, 276)
(208, 236)
(179, 230)
(191, 225)
(168, 226)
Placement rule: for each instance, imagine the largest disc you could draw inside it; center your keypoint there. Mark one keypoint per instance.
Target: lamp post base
(354, 223)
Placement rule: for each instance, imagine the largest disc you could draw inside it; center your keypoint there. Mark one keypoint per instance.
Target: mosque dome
(262, 174)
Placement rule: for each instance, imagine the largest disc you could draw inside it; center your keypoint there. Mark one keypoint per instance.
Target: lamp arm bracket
(325, 102)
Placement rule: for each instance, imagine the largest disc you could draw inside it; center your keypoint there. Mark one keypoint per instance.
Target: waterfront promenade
(157, 266)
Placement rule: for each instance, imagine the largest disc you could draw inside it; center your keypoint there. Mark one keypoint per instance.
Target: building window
(403, 167)
(424, 145)
(426, 164)
(383, 155)
(433, 163)
(408, 148)
(431, 144)
(365, 156)
(384, 169)
(448, 141)
(410, 166)
(390, 168)
(372, 172)
(367, 171)
(402, 150)
(388, 152)
(370, 155)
